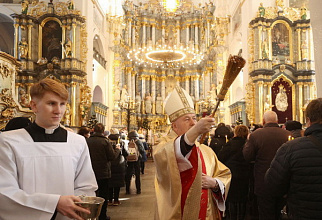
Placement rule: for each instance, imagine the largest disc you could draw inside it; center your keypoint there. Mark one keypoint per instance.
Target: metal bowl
(93, 204)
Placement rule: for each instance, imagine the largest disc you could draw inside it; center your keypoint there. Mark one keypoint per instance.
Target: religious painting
(51, 41)
(280, 42)
(282, 100)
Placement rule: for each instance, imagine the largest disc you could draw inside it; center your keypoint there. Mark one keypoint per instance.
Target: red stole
(187, 178)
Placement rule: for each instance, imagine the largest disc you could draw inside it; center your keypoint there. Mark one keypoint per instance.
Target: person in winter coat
(134, 166)
(118, 168)
(295, 127)
(102, 153)
(144, 156)
(222, 134)
(232, 156)
(261, 147)
(296, 170)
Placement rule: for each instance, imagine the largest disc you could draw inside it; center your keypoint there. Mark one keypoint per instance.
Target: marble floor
(137, 206)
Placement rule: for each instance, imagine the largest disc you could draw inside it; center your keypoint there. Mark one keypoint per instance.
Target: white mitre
(178, 103)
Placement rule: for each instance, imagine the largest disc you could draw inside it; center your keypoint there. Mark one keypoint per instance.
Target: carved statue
(24, 98)
(67, 115)
(261, 10)
(303, 13)
(23, 48)
(42, 61)
(117, 94)
(264, 49)
(159, 105)
(124, 96)
(24, 7)
(148, 104)
(281, 99)
(70, 4)
(138, 101)
(304, 50)
(267, 105)
(68, 48)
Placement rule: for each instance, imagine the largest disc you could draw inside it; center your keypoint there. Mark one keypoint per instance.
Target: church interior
(120, 59)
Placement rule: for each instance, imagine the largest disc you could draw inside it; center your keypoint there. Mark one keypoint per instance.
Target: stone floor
(137, 206)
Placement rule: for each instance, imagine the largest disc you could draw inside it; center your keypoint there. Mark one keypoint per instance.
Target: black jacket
(102, 153)
(232, 156)
(296, 171)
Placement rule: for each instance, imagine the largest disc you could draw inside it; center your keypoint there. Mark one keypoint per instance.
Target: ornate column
(153, 95)
(153, 34)
(196, 36)
(208, 33)
(301, 103)
(207, 81)
(260, 54)
(187, 35)
(260, 85)
(163, 32)
(299, 56)
(129, 80)
(73, 103)
(133, 92)
(144, 35)
(196, 82)
(187, 82)
(143, 86)
(133, 37)
(16, 51)
(178, 32)
(129, 33)
(74, 39)
(163, 77)
(29, 40)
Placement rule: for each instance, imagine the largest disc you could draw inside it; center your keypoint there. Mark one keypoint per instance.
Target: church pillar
(301, 103)
(163, 86)
(16, 40)
(187, 35)
(153, 34)
(196, 36)
(133, 92)
(74, 39)
(260, 100)
(29, 41)
(178, 33)
(144, 35)
(73, 103)
(153, 95)
(187, 84)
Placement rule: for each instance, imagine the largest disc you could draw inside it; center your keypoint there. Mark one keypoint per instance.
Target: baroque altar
(50, 41)
(281, 72)
(156, 49)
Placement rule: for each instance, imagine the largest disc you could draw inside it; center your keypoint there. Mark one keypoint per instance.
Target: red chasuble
(187, 178)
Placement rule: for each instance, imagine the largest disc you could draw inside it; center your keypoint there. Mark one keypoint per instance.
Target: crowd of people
(267, 171)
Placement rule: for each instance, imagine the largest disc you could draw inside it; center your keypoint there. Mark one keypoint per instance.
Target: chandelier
(171, 5)
(166, 56)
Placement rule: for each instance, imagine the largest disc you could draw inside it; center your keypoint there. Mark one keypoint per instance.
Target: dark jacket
(118, 166)
(296, 171)
(102, 153)
(232, 156)
(261, 148)
(219, 138)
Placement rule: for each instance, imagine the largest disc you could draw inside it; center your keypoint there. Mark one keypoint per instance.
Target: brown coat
(261, 147)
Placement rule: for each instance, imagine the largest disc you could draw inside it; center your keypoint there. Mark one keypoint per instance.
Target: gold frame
(42, 24)
(290, 37)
